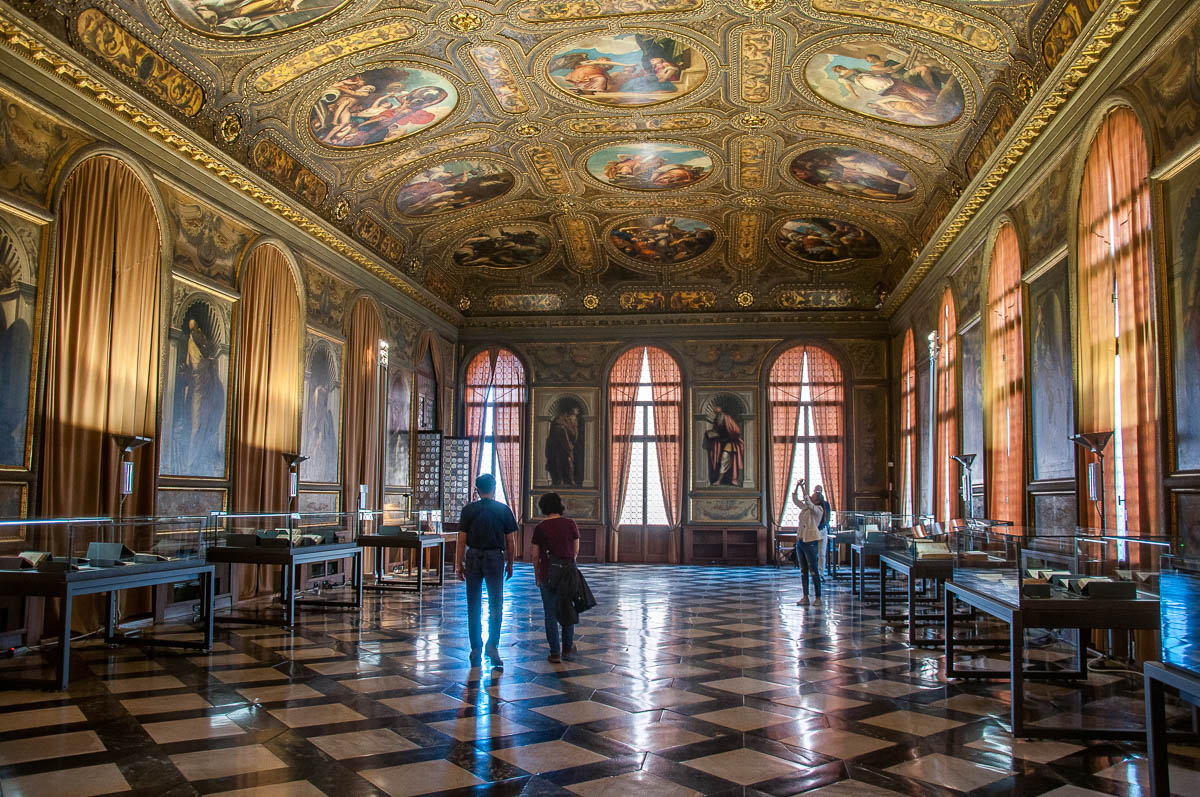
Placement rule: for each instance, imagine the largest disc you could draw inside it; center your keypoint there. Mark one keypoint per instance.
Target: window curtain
(947, 410)
(828, 395)
(479, 379)
(783, 392)
(1115, 257)
(508, 381)
(622, 392)
(267, 407)
(666, 385)
(908, 424)
(1005, 375)
(102, 351)
(361, 438)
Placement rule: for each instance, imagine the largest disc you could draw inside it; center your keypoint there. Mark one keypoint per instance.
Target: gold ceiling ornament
(758, 6)
(566, 205)
(231, 128)
(745, 299)
(465, 21)
(754, 121)
(591, 301)
(928, 18)
(414, 265)
(527, 130)
(464, 303)
(1025, 87)
(341, 209)
(305, 62)
(751, 201)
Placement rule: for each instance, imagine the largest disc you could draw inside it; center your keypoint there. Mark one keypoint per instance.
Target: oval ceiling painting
(885, 82)
(245, 18)
(380, 105)
(506, 246)
(819, 240)
(649, 165)
(662, 240)
(627, 68)
(854, 172)
(453, 186)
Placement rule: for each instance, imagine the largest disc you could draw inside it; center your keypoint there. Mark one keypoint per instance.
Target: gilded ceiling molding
(914, 15)
(1105, 36)
(748, 234)
(296, 66)
(547, 12)
(390, 164)
(652, 202)
(578, 236)
(631, 124)
(822, 124)
(506, 87)
(754, 158)
(758, 51)
(19, 39)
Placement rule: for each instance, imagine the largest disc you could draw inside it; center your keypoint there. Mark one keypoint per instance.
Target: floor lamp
(1095, 442)
(966, 461)
(127, 444)
(293, 489)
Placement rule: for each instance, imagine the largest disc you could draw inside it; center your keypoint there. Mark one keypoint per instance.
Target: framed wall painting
(396, 507)
(398, 456)
(1051, 390)
(724, 438)
(869, 435)
(971, 348)
(189, 502)
(921, 460)
(427, 494)
(1183, 284)
(320, 438)
(19, 241)
(13, 500)
(319, 501)
(565, 434)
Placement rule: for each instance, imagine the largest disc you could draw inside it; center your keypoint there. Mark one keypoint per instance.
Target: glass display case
(282, 529)
(1179, 607)
(93, 543)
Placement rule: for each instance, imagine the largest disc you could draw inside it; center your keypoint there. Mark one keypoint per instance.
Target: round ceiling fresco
(507, 246)
(885, 82)
(817, 240)
(453, 186)
(380, 105)
(627, 68)
(649, 165)
(854, 172)
(662, 240)
(241, 18)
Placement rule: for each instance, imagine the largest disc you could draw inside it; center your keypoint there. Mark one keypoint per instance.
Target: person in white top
(808, 539)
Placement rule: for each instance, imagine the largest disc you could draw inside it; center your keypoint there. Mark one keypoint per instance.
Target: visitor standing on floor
(555, 547)
(808, 540)
(484, 555)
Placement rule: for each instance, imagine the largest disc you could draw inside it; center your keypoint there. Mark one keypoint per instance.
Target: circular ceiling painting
(380, 105)
(819, 240)
(885, 82)
(244, 18)
(649, 165)
(506, 246)
(453, 186)
(854, 172)
(662, 240)
(627, 68)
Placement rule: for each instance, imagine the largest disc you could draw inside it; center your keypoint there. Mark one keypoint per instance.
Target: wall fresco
(288, 173)
(381, 104)
(667, 301)
(206, 242)
(649, 165)
(248, 18)
(452, 186)
(662, 240)
(627, 69)
(525, 302)
(33, 147)
(320, 438)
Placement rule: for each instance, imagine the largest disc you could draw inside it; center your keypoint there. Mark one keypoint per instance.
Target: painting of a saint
(854, 172)
(380, 105)
(1186, 318)
(1051, 396)
(322, 411)
(398, 466)
(453, 186)
(565, 443)
(16, 352)
(628, 69)
(886, 82)
(244, 18)
(198, 411)
(827, 241)
(723, 443)
(649, 165)
(972, 398)
(662, 240)
(508, 246)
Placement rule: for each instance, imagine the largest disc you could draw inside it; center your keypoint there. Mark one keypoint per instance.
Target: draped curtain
(908, 424)
(1115, 258)
(361, 438)
(508, 384)
(666, 386)
(947, 409)
(828, 394)
(783, 393)
(622, 392)
(267, 408)
(102, 348)
(1004, 373)
(479, 380)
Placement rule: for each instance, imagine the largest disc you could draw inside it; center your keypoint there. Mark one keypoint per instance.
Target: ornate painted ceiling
(602, 156)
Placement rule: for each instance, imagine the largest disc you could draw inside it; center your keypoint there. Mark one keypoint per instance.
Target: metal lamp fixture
(1095, 442)
(127, 444)
(966, 460)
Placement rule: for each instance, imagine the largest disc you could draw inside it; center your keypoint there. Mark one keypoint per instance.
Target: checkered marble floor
(688, 681)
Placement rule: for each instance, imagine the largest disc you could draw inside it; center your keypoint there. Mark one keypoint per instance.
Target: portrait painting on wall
(724, 439)
(1184, 281)
(564, 438)
(508, 246)
(971, 348)
(174, 502)
(870, 438)
(323, 502)
(876, 79)
(381, 104)
(320, 435)
(924, 480)
(854, 172)
(195, 401)
(818, 240)
(627, 69)
(1051, 396)
(453, 186)
(398, 463)
(244, 18)
(649, 165)
(18, 293)
(662, 240)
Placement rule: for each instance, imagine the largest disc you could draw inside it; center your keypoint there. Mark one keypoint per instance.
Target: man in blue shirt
(485, 541)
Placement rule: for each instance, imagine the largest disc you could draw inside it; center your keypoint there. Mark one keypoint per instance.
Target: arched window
(947, 409)
(495, 405)
(1005, 375)
(1117, 338)
(645, 392)
(807, 396)
(908, 423)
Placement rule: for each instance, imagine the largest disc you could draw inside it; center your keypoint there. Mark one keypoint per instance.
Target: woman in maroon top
(556, 537)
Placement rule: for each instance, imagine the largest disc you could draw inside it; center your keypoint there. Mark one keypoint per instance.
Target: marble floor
(688, 681)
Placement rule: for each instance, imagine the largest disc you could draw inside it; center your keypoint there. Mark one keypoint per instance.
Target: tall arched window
(495, 404)
(947, 409)
(645, 393)
(1005, 375)
(908, 424)
(807, 397)
(1117, 337)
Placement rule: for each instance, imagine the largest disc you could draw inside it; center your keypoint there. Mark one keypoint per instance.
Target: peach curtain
(1004, 372)
(267, 408)
(622, 392)
(479, 379)
(361, 436)
(666, 385)
(102, 349)
(508, 384)
(947, 411)
(1114, 258)
(783, 393)
(908, 424)
(828, 395)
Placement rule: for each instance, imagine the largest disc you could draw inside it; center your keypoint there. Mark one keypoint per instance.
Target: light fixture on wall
(966, 460)
(293, 465)
(1095, 443)
(127, 444)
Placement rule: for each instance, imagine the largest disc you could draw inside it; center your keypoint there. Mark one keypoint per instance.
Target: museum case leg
(110, 616)
(882, 592)
(64, 643)
(948, 626)
(289, 596)
(1156, 737)
(1017, 666)
(359, 577)
(208, 598)
(912, 612)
